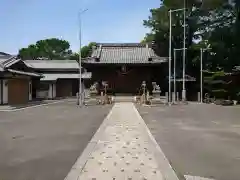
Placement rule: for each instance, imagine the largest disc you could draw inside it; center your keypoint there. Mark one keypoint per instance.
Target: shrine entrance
(126, 80)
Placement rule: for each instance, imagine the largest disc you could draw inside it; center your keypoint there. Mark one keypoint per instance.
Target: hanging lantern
(124, 69)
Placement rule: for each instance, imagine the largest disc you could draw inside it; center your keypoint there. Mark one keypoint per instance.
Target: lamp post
(79, 99)
(170, 50)
(174, 71)
(201, 72)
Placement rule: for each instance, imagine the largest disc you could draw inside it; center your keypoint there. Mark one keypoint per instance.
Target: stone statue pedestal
(156, 90)
(93, 93)
(156, 94)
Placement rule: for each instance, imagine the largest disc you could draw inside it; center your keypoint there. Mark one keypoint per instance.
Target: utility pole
(202, 50)
(175, 57)
(170, 57)
(174, 76)
(184, 53)
(80, 98)
(201, 76)
(170, 53)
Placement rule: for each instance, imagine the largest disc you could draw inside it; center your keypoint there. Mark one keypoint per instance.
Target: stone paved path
(122, 149)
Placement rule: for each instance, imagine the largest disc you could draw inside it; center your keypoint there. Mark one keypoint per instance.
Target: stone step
(123, 98)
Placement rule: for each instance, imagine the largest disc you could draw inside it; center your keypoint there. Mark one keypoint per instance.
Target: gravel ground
(198, 140)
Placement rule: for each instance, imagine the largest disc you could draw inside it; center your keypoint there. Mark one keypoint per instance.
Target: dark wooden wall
(130, 81)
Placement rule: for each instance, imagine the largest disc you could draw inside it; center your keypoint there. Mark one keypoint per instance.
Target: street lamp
(174, 71)
(170, 50)
(79, 99)
(202, 50)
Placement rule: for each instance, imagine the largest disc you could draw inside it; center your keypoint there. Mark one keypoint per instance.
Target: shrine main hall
(125, 66)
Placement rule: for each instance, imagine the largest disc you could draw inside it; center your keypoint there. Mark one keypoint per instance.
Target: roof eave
(154, 61)
(54, 77)
(33, 74)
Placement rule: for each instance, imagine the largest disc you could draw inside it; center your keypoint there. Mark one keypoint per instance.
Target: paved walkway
(122, 149)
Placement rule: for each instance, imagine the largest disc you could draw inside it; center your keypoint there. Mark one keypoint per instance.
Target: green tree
(47, 49)
(149, 38)
(74, 56)
(214, 22)
(222, 33)
(158, 22)
(86, 51)
(208, 21)
(28, 53)
(196, 11)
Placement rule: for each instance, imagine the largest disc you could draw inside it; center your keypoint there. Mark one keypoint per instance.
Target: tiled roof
(4, 57)
(5, 61)
(52, 64)
(57, 65)
(1, 66)
(126, 53)
(54, 77)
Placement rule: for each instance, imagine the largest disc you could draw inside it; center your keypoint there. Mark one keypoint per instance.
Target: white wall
(52, 91)
(42, 94)
(49, 92)
(5, 91)
(30, 90)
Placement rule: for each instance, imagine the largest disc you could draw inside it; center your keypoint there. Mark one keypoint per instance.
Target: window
(43, 86)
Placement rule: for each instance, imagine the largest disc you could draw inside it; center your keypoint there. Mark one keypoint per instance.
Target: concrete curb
(166, 169)
(33, 106)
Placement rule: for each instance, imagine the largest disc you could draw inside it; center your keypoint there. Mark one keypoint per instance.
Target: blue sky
(23, 22)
